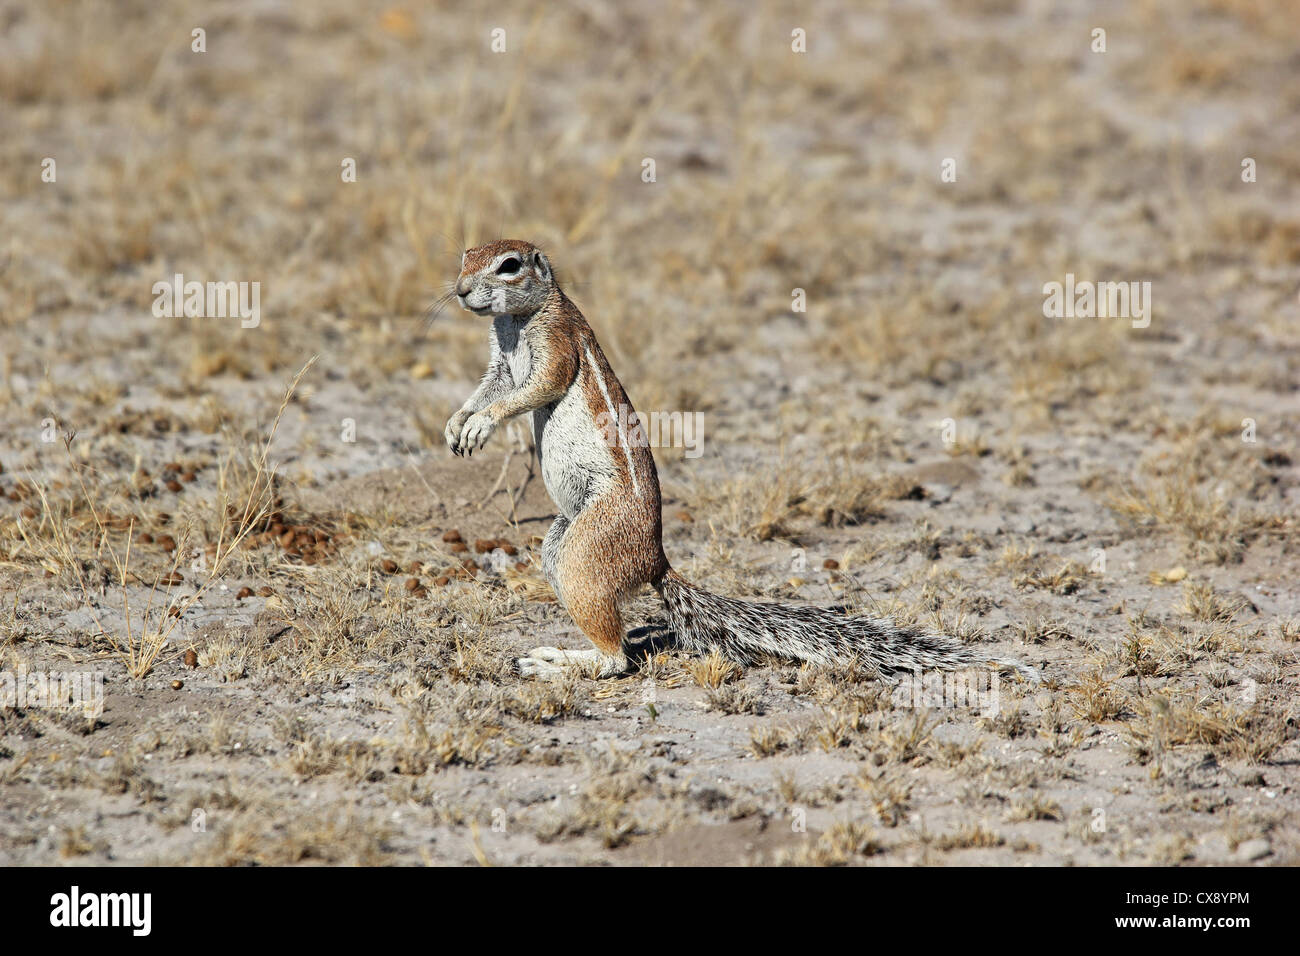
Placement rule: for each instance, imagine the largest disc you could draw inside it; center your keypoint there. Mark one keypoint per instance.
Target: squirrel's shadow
(643, 643)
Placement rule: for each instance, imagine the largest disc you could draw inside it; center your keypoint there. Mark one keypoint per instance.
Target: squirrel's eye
(509, 267)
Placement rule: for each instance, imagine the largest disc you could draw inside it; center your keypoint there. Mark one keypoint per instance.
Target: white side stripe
(622, 425)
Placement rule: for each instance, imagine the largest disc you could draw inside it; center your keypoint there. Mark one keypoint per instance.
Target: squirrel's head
(506, 277)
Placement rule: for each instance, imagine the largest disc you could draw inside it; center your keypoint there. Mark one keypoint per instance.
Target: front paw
(453, 430)
(478, 429)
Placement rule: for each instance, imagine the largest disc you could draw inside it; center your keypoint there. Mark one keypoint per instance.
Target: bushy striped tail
(746, 630)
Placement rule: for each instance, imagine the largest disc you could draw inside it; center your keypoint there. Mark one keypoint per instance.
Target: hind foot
(552, 663)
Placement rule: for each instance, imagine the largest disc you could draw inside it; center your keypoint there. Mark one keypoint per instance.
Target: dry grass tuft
(1212, 527)
(840, 844)
(713, 670)
(1164, 723)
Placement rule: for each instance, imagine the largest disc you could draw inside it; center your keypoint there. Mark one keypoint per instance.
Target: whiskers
(439, 304)
(456, 247)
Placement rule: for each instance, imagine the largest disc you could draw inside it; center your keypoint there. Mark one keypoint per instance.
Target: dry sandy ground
(1114, 505)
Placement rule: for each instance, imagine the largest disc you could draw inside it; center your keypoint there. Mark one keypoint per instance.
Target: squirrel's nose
(463, 286)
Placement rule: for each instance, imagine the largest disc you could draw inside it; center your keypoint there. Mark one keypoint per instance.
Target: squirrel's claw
(478, 429)
(454, 433)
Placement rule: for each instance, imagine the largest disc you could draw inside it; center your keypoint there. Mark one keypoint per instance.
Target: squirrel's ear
(541, 265)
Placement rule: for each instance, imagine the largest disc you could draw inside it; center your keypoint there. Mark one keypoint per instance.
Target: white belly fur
(577, 463)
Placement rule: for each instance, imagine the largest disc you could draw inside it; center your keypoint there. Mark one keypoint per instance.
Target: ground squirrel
(607, 541)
